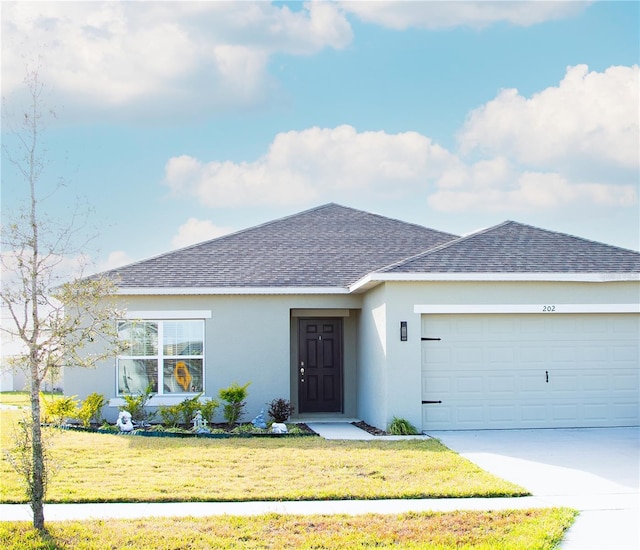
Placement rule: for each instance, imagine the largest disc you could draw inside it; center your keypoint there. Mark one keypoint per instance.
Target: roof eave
(373, 279)
(227, 291)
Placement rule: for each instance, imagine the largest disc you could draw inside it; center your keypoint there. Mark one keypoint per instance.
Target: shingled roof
(513, 247)
(328, 246)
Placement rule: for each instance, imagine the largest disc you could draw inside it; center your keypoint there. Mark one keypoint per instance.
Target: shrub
(91, 408)
(234, 396)
(135, 405)
(400, 426)
(60, 408)
(280, 410)
(170, 414)
(208, 409)
(188, 408)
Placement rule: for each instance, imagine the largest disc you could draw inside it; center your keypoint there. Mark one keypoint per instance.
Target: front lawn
(118, 468)
(512, 529)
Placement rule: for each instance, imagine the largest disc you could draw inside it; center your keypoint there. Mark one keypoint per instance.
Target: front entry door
(320, 365)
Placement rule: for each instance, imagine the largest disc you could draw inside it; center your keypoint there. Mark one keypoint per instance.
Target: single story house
(354, 315)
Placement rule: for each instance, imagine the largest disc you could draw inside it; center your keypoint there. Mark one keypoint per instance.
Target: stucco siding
(403, 359)
(247, 339)
(372, 345)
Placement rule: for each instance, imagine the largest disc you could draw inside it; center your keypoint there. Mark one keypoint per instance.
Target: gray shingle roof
(513, 247)
(328, 246)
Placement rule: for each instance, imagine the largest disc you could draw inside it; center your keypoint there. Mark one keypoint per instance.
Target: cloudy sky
(181, 121)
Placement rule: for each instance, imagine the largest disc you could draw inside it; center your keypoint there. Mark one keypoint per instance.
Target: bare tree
(58, 323)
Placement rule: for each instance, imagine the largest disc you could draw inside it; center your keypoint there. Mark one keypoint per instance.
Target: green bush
(208, 409)
(90, 409)
(170, 414)
(400, 426)
(234, 396)
(136, 406)
(188, 408)
(56, 410)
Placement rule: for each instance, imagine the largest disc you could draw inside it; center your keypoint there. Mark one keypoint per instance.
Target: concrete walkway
(593, 470)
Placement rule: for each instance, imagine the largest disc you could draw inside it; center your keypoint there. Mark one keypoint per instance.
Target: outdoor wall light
(403, 331)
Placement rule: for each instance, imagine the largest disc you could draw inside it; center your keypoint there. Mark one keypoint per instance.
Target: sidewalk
(64, 512)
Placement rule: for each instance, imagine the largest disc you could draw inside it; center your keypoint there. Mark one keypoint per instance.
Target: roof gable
(513, 247)
(328, 246)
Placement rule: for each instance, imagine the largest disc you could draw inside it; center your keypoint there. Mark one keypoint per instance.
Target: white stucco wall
(247, 339)
(403, 359)
(372, 354)
(252, 339)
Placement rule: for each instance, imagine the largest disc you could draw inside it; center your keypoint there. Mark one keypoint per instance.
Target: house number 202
(548, 309)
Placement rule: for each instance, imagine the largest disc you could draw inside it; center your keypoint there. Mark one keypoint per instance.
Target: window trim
(168, 315)
(160, 318)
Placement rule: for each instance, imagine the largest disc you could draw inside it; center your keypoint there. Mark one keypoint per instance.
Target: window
(167, 355)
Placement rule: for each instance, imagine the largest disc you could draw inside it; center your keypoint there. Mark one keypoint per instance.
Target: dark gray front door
(320, 365)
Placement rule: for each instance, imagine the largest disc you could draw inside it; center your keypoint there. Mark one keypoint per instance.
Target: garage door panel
(596, 383)
(532, 384)
(628, 410)
(626, 382)
(437, 385)
(625, 354)
(531, 356)
(502, 413)
(594, 356)
(502, 385)
(624, 326)
(596, 412)
(530, 371)
(469, 385)
(501, 355)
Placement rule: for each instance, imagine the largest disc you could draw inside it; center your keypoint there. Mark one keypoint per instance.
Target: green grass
(118, 468)
(22, 399)
(513, 529)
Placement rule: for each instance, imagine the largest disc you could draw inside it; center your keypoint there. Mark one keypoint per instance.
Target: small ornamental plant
(90, 409)
(58, 410)
(235, 401)
(136, 406)
(400, 426)
(280, 410)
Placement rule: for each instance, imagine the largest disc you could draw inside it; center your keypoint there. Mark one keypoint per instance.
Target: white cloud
(118, 53)
(194, 231)
(590, 117)
(570, 145)
(302, 166)
(479, 14)
(341, 164)
(475, 190)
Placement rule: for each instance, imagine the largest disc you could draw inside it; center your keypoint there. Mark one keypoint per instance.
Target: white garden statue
(124, 421)
(278, 428)
(200, 424)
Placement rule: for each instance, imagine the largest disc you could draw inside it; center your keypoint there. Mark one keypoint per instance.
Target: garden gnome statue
(124, 421)
(259, 421)
(199, 424)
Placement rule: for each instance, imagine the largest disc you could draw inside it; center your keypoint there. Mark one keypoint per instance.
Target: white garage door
(530, 371)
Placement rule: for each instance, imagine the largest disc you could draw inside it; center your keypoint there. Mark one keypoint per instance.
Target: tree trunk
(37, 481)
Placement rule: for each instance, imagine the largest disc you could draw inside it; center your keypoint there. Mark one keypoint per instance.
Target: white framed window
(164, 354)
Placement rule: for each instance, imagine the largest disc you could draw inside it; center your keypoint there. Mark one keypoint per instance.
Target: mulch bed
(149, 431)
(370, 429)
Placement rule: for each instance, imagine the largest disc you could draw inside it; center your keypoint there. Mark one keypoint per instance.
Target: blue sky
(178, 122)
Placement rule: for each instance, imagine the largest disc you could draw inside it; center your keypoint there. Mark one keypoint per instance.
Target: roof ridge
(440, 247)
(562, 233)
(220, 238)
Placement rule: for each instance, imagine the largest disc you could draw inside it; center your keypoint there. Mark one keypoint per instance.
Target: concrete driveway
(595, 470)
